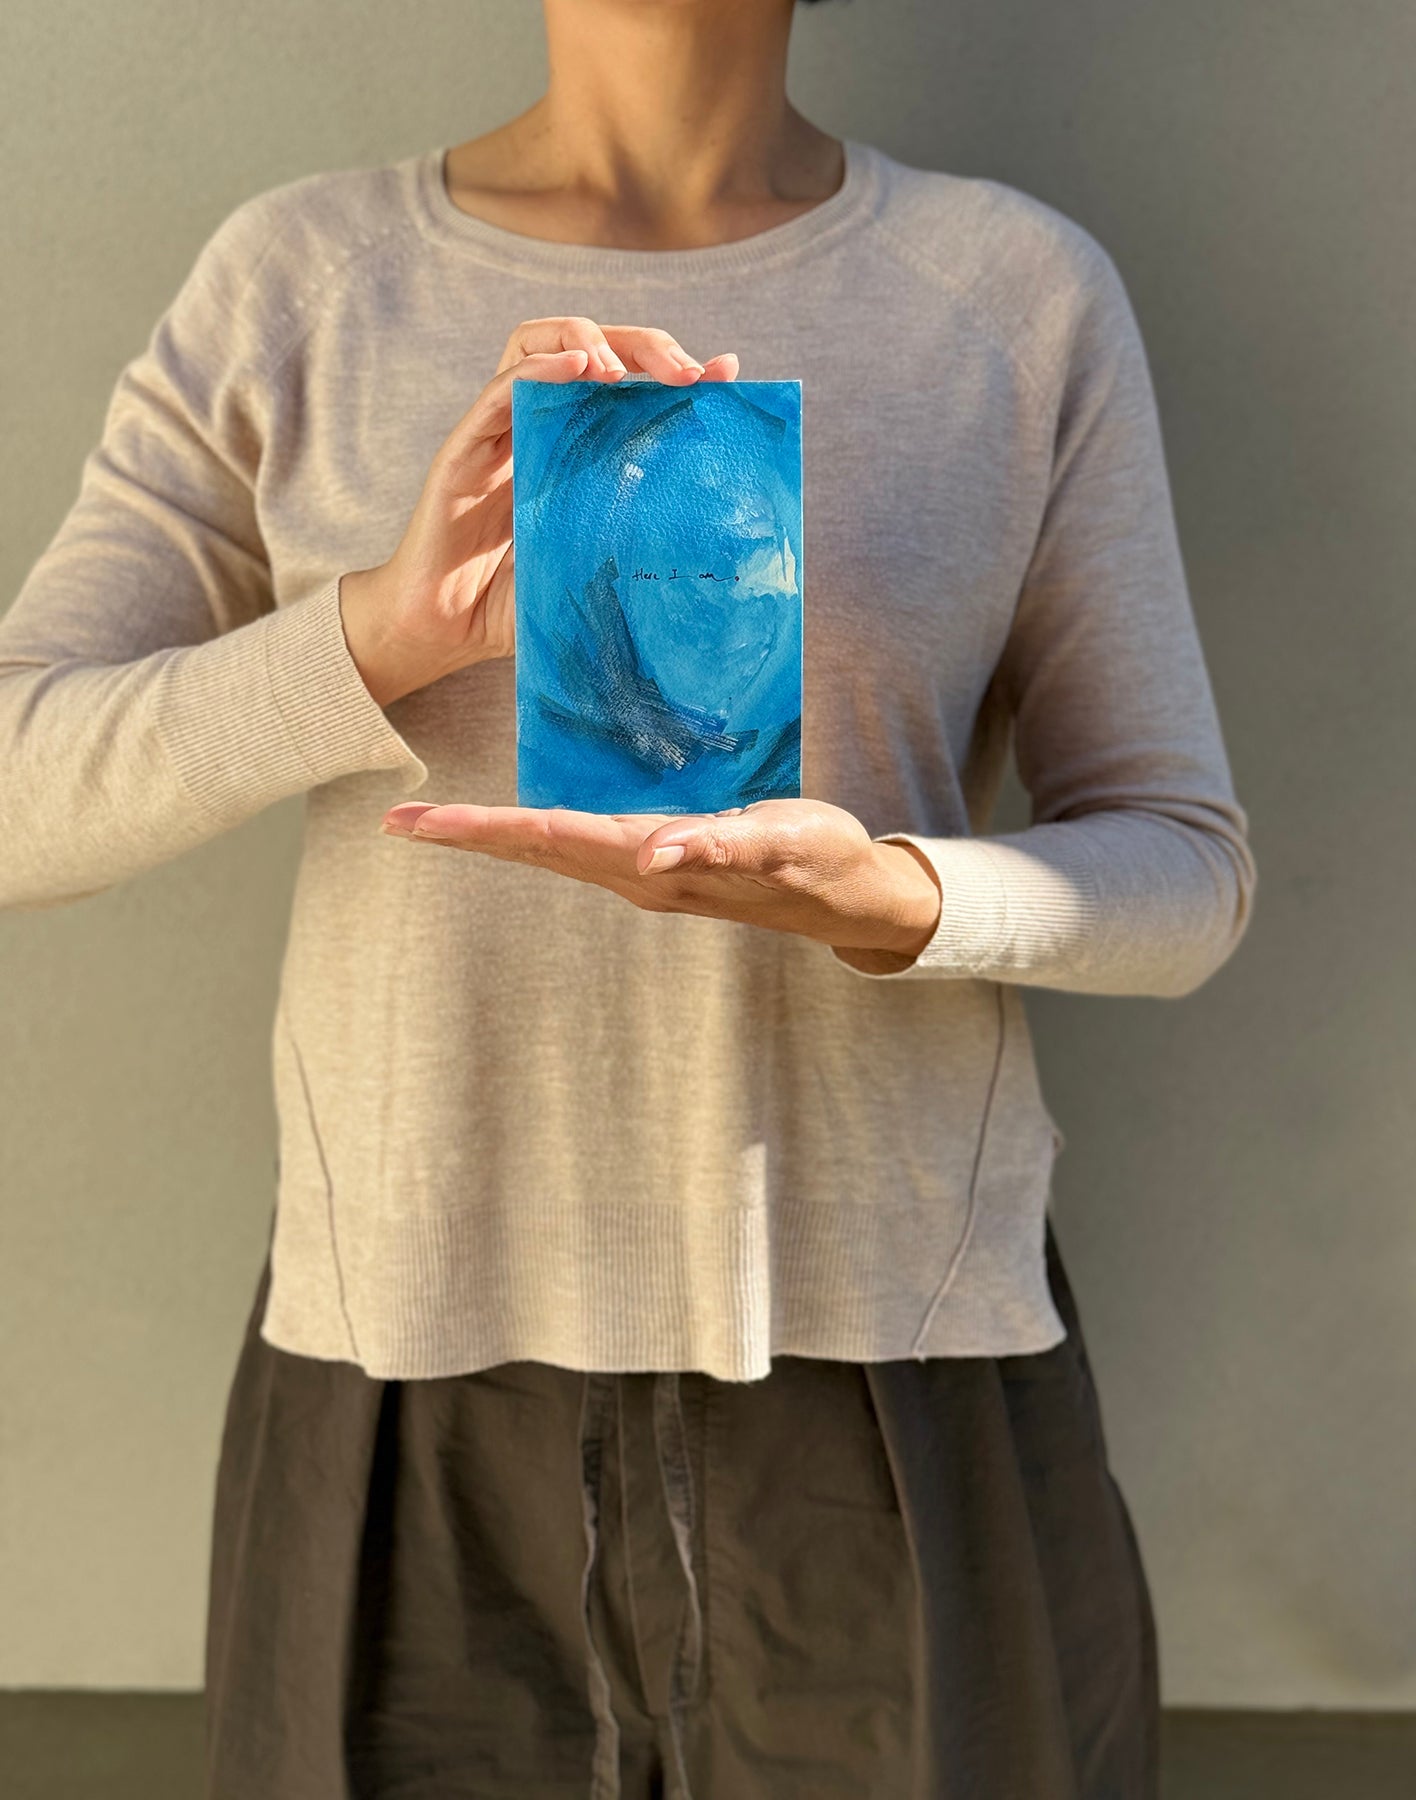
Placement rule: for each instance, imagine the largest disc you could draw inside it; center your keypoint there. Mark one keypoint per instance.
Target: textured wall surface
(1234, 1199)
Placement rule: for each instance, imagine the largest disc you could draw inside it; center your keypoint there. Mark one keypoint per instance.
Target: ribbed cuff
(1002, 912)
(274, 708)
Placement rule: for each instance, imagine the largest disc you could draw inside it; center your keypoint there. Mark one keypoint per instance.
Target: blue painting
(658, 545)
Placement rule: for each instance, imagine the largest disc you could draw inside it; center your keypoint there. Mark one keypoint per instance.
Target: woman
(664, 1378)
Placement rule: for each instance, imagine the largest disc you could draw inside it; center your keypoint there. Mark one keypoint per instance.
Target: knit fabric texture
(520, 1118)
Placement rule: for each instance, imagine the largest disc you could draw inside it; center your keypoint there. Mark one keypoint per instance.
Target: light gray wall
(1234, 1201)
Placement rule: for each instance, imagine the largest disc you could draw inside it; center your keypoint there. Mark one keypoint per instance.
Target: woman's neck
(665, 125)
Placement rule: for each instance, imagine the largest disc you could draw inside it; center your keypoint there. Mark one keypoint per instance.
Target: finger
(489, 416)
(407, 813)
(548, 836)
(723, 367)
(400, 820)
(731, 842)
(651, 351)
(570, 333)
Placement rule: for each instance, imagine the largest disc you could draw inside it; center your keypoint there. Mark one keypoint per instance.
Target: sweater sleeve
(1135, 874)
(152, 693)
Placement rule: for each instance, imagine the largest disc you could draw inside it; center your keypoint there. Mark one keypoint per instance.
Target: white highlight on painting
(770, 569)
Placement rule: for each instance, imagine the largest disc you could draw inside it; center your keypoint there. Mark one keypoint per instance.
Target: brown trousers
(912, 1580)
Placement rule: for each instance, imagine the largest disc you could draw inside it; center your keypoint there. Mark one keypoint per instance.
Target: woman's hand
(790, 865)
(445, 597)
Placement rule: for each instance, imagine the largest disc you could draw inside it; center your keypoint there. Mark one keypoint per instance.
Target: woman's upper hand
(445, 597)
(800, 866)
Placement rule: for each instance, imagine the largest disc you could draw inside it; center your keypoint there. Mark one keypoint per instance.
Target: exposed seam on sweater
(328, 1181)
(906, 254)
(972, 1212)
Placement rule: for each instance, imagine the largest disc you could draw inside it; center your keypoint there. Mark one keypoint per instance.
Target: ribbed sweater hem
(729, 1288)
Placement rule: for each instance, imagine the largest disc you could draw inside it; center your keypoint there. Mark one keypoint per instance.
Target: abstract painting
(658, 568)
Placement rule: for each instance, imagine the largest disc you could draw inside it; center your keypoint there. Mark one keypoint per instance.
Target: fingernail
(395, 830)
(612, 363)
(665, 857)
(687, 362)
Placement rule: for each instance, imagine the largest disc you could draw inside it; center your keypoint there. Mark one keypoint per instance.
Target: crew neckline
(443, 220)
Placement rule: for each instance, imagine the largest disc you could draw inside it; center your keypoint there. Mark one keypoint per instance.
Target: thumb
(700, 841)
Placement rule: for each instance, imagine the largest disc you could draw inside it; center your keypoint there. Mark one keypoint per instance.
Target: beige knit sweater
(520, 1118)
